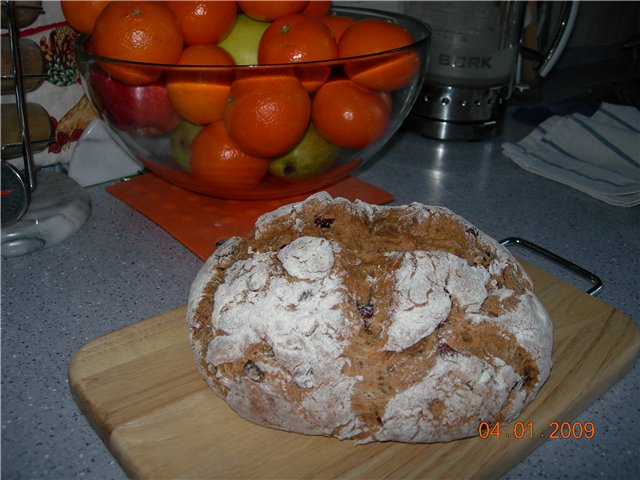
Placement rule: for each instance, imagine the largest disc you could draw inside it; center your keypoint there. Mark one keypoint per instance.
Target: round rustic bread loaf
(369, 323)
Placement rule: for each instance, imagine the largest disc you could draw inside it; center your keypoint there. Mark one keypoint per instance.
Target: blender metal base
(449, 130)
(59, 207)
(458, 113)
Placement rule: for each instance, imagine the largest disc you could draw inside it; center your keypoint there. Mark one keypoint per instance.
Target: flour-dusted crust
(369, 323)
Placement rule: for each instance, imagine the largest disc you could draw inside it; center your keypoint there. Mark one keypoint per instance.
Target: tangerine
(372, 35)
(296, 38)
(312, 76)
(386, 72)
(388, 101)
(204, 21)
(299, 38)
(199, 95)
(267, 115)
(269, 10)
(317, 8)
(337, 24)
(81, 15)
(137, 31)
(349, 115)
(219, 165)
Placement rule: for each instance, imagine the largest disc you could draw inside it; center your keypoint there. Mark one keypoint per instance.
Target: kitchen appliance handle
(561, 39)
(548, 60)
(595, 281)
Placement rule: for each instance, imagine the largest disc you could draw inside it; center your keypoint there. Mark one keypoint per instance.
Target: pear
(243, 41)
(312, 155)
(181, 139)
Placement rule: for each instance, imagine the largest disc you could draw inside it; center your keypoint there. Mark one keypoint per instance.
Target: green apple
(242, 43)
(312, 155)
(181, 139)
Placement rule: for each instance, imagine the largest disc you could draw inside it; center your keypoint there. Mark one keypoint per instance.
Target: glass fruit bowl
(195, 127)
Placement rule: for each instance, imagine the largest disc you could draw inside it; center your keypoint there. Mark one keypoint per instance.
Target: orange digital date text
(521, 430)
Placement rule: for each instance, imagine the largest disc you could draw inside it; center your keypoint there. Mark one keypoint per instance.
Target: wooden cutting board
(140, 390)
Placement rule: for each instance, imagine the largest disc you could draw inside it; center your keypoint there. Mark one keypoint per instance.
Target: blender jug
(473, 57)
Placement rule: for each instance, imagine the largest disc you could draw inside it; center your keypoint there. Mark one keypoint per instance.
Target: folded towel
(598, 155)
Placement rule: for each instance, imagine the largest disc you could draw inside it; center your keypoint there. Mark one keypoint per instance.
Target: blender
(474, 59)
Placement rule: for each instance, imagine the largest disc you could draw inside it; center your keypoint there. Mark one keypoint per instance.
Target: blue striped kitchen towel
(598, 155)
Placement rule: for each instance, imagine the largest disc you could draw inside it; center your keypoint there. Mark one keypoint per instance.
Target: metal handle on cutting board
(563, 262)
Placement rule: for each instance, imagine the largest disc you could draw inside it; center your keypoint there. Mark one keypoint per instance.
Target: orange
(137, 31)
(296, 38)
(372, 35)
(299, 38)
(267, 115)
(220, 166)
(199, 95)
(204, 21)
(388, 101)
(312, 76)
(81, 15)
(388, 72)
(337, 24)
(317, 8)
(269, 10)
(349, 115)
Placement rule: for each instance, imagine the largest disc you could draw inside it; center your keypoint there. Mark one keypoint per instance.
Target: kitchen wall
(600, 30)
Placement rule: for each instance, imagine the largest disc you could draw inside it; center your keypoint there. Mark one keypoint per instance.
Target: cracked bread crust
(369, 323)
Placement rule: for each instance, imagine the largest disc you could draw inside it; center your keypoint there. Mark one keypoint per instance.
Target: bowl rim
(82, 40)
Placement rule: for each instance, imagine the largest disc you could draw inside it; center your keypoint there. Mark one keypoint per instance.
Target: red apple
(137, 109)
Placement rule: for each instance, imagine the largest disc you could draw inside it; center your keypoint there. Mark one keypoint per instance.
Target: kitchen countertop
(121, 268)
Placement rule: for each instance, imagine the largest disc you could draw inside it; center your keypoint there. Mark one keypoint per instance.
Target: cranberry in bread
(370, 323)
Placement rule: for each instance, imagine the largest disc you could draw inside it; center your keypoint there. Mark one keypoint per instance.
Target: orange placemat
(199, 221)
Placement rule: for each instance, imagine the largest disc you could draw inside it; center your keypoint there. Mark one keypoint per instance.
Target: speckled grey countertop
(121, 268)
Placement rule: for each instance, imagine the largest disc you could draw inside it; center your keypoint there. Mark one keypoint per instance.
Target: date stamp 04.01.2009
(522, 430)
